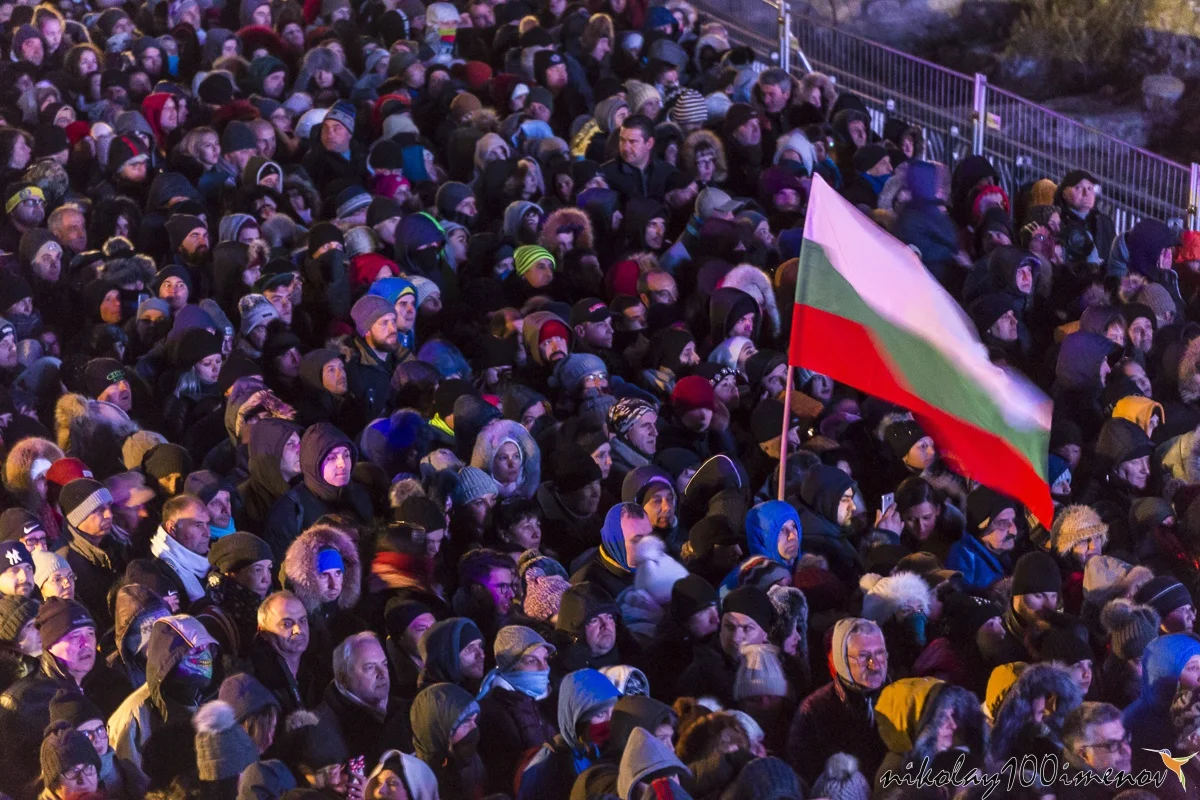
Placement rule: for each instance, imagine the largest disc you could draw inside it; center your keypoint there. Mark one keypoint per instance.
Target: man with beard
(827, 518)
(189, 247)
(369, 371)
(16, 305)
(456, 203)
(984, 552)
(1036, 587)
(645, 225)
(25, 207)
(743, 144)
(839, 717)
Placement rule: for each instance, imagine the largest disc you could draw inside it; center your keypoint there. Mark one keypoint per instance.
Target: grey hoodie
(646, 757)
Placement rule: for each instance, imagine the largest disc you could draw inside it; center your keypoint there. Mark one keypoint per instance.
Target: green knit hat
(527, 255)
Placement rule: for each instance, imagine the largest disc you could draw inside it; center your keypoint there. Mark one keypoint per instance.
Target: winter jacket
(229, 612)
(631, 182)
(369, 382)
(563, 533)
(553, 770)
(311, 499)
(151, 706)
(96, 569)
(516, 724)
(365, 730)
(833, 720)
(488, 443)
(907, 715)
(646, 758)
(434, 714)
(821, 492)
(979, 565)
(266, 483)
(136, 605)
(763, 524)
(25, 713)
(1012, 732)
(1148, 720)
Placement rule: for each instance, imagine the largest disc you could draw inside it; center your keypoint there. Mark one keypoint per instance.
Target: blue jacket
(979, 566)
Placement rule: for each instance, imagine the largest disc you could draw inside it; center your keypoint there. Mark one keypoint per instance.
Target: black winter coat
(515, 723)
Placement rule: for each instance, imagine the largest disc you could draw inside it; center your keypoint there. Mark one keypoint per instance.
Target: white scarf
(190, 567)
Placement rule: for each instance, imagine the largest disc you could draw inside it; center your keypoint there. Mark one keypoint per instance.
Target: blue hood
(580, 693)
(763, 523)
(612, 540)
(1162, 663)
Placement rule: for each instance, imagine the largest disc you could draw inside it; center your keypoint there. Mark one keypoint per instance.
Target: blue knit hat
(343, 112)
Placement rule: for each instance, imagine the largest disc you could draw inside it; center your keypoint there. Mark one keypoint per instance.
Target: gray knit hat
(246, 695)
(842, 780)
(367, 310)
(513, 642)
(79, 498)
(760, 674)
(223, 748)
(473, 483)
(574, 368)
(1131, 626)
(255, 310)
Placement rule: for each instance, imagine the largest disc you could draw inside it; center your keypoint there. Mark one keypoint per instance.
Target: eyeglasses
(1112, 745)
(98, 732)
(76, 774)
(64, 580)
(865, 659)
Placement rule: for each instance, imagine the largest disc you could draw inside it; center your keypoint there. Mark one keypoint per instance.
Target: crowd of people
(392, 403)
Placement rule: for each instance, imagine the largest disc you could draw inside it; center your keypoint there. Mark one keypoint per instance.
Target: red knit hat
(552, 329)
(77, 131)
(65, 470)
(691, 393)
(476, 74)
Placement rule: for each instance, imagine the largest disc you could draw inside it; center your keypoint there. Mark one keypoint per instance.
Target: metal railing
(963, 115)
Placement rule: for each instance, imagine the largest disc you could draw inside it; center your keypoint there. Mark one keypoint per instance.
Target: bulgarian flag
(868, 314)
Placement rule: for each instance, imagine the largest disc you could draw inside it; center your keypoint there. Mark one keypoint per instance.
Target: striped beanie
(79, 498)
(527, 255)
(689, 109)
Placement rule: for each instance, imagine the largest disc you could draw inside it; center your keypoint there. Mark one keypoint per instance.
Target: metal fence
(962, 115)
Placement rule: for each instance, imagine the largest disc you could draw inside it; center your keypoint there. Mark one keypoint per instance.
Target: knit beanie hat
(1131, 626)
(343, 112)
(525, 256)
(238, 550)
(45, 564)
(572, 468)
(367, 310)
(238, 135)
(473, 483)
(223, 748)
(165, 460)
(753, 603)
(17, 523)
(1076, 524)
(1062, 645)
(543, 596)
(312, 742)
(572, 370)
(901, 436)
(1036, 572)
(625, 413)
(15, 613)
(246, 695)
(690, 595)
(1164, 594)
(656, 572)
(759, 674)
(73, 708)
(449, 195)
(57, 617)
(513, 642)
(691, 393)
(255, 310)
(841, 780)
(79, 498)
(1157, 298)
(13, 289)
(195, 345)
(983, 505)
(63, 749)
(14, 553)
(638, 93)
(101, 373)
(689, 109)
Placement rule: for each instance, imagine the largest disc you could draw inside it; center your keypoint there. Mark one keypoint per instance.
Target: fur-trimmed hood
(754, 282)
(1036, 680)
(561, 219)
(697, 140)
(496, 433)
(791, 611)
(1179, 457)
(908, 709)
(901, 594)
(130, 269)
(321, 59)
(299, 568)
(20, 460)
(1189, 372)
(819, 80)
(67, 410)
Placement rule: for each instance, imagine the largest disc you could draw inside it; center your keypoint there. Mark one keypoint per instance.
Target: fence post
(785, 35)
(1193, 210)
(979, 114)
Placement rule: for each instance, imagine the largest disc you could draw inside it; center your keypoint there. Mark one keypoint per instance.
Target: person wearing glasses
(1094, 741)
(70, 766)
(840, 716)
(52, 575)
(119, 777)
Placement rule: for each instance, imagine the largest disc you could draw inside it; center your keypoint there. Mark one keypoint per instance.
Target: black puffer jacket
(515, 723)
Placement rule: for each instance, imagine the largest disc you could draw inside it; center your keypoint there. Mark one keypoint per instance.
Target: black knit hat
(179, 226)
(238, 550)
(1164, 594)
(73, 708)
(382, 209)
(766, 422)
(15, 613)
(901, 436)
(572, 468)
(63, 749)
(1034, 573)
(13, 289)
(101, 373)
(753, 602)
(1059, 644)
(322, 234)
(691, 594)
(238, 135)
(983, 505)
(165, 460)
(195, 345)
(400, 613)
(58, 617)
(312, 742)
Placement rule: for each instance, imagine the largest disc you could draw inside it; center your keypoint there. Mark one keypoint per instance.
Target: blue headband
(329, 559)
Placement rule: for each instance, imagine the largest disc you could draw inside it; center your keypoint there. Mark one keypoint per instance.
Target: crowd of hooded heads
(392, 404)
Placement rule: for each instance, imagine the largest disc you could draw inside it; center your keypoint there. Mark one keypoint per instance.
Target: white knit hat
(759, 674)
(656, 571)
